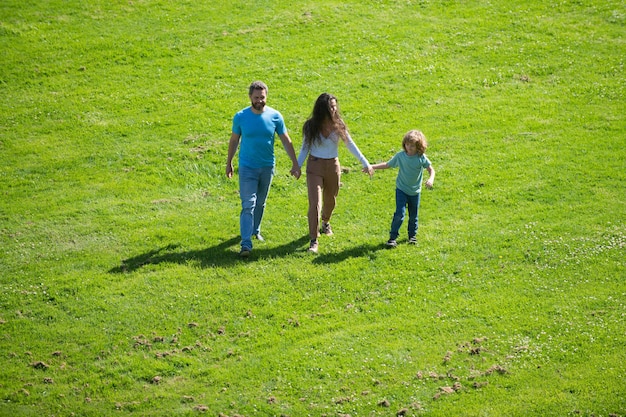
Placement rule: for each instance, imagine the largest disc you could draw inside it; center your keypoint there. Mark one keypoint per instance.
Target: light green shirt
(411, 170)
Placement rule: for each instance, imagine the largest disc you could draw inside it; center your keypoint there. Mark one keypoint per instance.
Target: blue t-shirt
(257, 131)
(411, 171)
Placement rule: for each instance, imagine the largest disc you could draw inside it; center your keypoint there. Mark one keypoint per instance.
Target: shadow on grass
(355, 252)
(218, 255)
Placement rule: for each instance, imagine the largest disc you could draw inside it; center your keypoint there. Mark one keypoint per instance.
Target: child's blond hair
(418, 138)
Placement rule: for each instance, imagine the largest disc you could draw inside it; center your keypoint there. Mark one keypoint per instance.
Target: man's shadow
(218, 255)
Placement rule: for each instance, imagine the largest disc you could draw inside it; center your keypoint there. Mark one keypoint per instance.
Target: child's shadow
(218, 255)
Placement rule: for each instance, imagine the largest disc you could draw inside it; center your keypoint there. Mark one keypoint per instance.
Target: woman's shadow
(361, 251)
(218, 255)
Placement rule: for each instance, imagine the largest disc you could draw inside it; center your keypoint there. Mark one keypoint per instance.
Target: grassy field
(121, 289)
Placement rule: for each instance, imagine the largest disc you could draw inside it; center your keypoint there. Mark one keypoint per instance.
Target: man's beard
(258, 106)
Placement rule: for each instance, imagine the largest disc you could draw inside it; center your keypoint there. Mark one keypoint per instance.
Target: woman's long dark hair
(321, 113)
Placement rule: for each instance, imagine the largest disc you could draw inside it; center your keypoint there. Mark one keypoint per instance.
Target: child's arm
(431, 177)
(382, 165)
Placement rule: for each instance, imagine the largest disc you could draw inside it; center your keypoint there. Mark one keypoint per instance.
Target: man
(254, 130)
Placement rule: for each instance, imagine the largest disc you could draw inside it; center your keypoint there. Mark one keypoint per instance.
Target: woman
(321, 135)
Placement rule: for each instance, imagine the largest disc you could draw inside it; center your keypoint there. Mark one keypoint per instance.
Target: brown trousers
(322, 180)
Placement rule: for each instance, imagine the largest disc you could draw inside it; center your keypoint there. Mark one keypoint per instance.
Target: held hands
(296, 172)
(368, 170)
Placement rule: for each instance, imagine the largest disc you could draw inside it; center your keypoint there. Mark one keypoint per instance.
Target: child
(411, 163)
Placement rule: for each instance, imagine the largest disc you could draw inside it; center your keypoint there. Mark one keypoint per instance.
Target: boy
(411, 163)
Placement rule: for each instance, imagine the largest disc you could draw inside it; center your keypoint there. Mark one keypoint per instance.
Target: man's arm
(233, 143)
(288, 145)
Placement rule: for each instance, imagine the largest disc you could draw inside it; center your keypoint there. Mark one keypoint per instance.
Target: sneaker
(391, 243)
(259, 237)
(245, 252)
(313, 246)
(413, 240)
(326, 229)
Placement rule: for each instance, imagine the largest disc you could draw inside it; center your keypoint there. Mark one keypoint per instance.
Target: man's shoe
(259, 237)
(326, 229)
(391, 243)
(413, 240)
(245, 252)
(313, 246)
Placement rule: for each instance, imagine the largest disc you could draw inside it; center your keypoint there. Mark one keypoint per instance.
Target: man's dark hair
(257, 85)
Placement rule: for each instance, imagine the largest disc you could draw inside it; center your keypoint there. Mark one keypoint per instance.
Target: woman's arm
(304, 152)
(354, 150)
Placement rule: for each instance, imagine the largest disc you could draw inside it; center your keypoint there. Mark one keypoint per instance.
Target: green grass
(121, 289)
